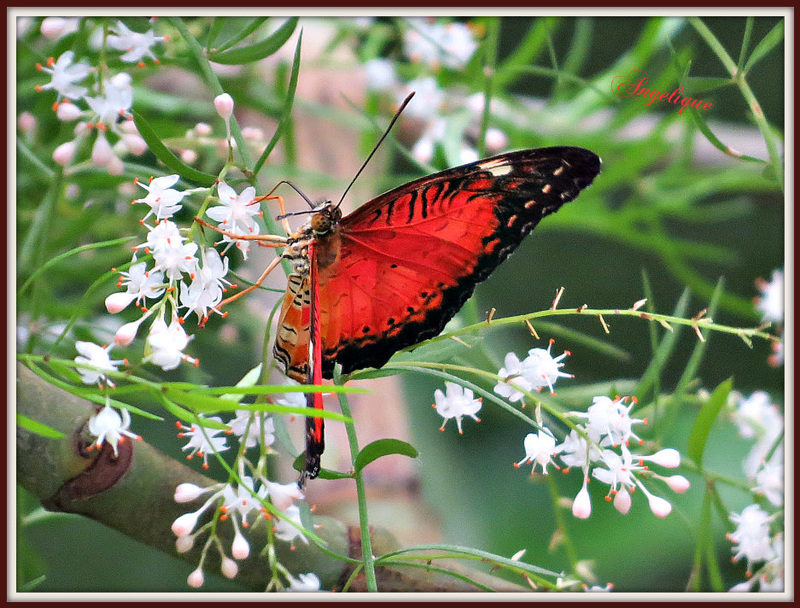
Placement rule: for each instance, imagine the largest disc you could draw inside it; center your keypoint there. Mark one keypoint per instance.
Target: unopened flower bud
(659, 506)
(582, 505)
(240, 548)
(224, 105)
(185, 523)
(56, 27)
(64, 154)
(677, 483)
(184, 543)
(101, 151)
(229, 568)
(67, 112)
(118, 301)
(667, 457)
(622, 501)
(195, 579)
(26, 122)
(127, 333)
(187, 492)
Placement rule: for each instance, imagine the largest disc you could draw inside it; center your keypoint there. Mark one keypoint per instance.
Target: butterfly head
(325, 218)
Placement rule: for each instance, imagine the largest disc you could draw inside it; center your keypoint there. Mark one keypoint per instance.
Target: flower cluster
(431, 46)
(599, 447)
(758, 537)
(246, 501)
(771, 305)
(99, 106)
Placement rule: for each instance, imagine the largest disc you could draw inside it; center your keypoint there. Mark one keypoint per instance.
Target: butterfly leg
(265, 240)
(255, 285)
(277, 197)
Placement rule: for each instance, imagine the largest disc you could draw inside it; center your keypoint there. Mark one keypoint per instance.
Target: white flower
(240, 500)
(451, 45)
(512, 380)
(167, 344)
(136, 45)
(380, 74)
(757, 416)
(205, 291)
(253, 428)
(175, 259)
(769, 478)
(282, 495)
(541, 369)
(770, 303)
(609, 422)
(575, 452)
(116, 102)
(457, 403)
(203, 440)
(163, 235)
(539, 449)
(65, 75)
(96, 356)
(236, 213)
(163, 200)
(305, 582)
(751, 535)
(290, 399)
(286, 531)
(139, 284)
(107, 425)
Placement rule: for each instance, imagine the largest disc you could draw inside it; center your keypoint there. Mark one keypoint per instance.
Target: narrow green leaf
(705, 418)
(190, 417)
(286, 113)
(67, 254)
(700, 121)
(239, 36)
(258, 51)
(380, 448)
(768, 42)
(37, 427)
(163, 154)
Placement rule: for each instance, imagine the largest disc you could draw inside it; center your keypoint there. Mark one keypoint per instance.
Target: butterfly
(394, 271)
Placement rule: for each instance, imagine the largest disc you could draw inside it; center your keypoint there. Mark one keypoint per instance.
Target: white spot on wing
(497, 167)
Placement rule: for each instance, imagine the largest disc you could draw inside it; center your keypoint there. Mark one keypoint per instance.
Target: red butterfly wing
(394, 271)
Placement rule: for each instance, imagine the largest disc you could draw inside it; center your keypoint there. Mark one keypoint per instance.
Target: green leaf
(700, 121)
(768, 42)
(380, 448)
(249, 379)
(258, 51)
(163, 154)
(705, 418)
(286, 113)
(37, 427)
(67, 254)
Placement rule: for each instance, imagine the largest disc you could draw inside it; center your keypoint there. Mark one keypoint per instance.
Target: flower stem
(366, 542)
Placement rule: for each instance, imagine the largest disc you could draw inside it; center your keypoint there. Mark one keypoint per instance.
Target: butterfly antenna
(296, 189)
(380, 141)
